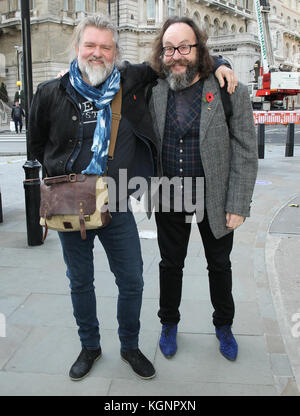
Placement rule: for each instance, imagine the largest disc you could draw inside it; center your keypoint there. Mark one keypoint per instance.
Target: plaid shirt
(181, 144)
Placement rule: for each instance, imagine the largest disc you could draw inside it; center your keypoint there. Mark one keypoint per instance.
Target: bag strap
(227, 105)
(116, 105)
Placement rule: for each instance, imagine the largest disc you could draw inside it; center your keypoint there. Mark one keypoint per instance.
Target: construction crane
(272, 84)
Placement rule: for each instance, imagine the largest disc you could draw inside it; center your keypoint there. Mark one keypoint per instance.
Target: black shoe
(84, 363)
(139, 363)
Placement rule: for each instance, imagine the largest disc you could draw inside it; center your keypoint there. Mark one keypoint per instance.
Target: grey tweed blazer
(229, 159)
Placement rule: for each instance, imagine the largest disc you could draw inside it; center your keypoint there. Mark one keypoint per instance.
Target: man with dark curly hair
(197, 143)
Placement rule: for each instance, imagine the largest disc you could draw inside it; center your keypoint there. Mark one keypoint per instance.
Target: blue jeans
(121, 242)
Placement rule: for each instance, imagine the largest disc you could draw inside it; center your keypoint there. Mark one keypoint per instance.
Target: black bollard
(290, 139)
(261, 140)
(31, 167)
(32, 202)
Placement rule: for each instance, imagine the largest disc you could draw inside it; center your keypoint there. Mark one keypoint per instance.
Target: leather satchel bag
(78, 202)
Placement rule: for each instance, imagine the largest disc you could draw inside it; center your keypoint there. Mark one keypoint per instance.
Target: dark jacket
(17, 113)
(55, 124)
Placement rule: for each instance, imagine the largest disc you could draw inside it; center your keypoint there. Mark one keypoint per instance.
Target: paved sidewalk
(41, 339)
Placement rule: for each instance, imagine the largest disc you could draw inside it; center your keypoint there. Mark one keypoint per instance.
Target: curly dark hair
(205, 61)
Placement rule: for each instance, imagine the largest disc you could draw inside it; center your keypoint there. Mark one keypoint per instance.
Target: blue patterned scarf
(101, 97)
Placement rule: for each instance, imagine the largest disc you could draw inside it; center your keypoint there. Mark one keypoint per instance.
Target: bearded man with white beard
(69, 133)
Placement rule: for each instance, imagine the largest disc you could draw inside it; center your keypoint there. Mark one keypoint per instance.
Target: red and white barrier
(276, 117)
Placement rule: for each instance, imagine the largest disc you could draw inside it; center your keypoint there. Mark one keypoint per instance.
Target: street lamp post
(19, 52)
(31, 167)
(19, 84)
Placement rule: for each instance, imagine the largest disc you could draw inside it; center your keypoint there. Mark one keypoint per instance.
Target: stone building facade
(231, 25)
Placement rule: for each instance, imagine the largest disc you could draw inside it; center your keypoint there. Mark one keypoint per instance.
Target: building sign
(276, 117)
(225, 49)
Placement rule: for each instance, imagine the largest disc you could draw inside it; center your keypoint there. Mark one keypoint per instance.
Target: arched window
(233, 28)
(216, 28)
(207, 24)
(241, 30)
(225, 29)
(196, 18)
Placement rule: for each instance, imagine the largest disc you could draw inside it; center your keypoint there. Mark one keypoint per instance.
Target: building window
(151, 9)
(79, 5)
(196, 18)
(16, 5)
(207, 24)
(216, 27)
(277, 41)
(287, 50)
(225, 28)
(13, 5)
(171, 8)
(179, 10)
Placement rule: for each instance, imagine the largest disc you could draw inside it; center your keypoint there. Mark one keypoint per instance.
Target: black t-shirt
(125, 145)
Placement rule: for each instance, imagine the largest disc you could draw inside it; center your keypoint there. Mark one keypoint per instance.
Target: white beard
(95, 75)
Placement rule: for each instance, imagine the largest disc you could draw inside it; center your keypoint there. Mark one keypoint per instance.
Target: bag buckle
(72, 177)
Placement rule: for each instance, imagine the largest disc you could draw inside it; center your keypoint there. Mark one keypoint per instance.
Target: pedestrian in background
(17, 115)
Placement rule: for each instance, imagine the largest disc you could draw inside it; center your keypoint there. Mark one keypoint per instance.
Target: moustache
(96, 60)
(181, 61)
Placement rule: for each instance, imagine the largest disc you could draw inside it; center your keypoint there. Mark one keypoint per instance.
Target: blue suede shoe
(228, 345)
(167, 342)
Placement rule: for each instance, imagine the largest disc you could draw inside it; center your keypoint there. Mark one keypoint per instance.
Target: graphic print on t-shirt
(89, 117)
(89, 113)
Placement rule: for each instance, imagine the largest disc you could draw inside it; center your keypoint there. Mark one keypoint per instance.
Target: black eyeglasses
(182, 49)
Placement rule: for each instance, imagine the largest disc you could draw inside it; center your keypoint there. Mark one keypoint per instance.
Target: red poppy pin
(209, 97)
